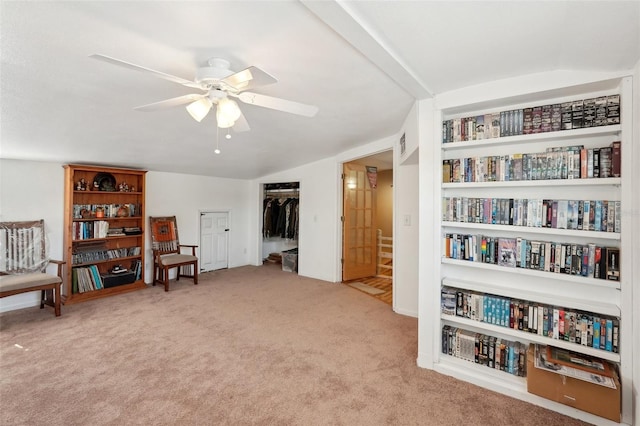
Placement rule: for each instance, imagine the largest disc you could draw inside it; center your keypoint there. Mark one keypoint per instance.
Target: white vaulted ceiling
(362, 63)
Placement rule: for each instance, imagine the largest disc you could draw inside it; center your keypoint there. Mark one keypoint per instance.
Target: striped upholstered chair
(24, 260)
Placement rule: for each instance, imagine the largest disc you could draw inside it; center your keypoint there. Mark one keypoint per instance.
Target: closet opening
(280, 224)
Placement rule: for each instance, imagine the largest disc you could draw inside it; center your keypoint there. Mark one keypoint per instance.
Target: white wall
(406, 219)
(406, 238)
(35, 190)
(428, 272)
(317, 207)
(185, 196)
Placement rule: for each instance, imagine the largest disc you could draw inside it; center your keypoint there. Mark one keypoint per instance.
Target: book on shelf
(85, 279)
(615, 158)
(587, 215)
(587, 260)
(448, 301)
(577, 114)
(556, 117)
(613, 109)
(134, 230)
(566, 115)
(564, 162)
(555, 322)
(613, 264)
(489, 351)
(545, 119)
(115, 232)
(507, 252)
(479, 127)
(589, 113)
(600, 111)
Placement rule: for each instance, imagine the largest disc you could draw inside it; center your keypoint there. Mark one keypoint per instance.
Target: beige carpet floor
(247, 346)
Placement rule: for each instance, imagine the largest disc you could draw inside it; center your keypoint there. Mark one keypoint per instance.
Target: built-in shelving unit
(600, 297)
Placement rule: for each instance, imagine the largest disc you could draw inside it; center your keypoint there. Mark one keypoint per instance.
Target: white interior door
(214, 241)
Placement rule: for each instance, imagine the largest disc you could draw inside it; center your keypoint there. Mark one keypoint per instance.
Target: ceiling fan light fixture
(229, 109)
(199, 109)
(223, 123)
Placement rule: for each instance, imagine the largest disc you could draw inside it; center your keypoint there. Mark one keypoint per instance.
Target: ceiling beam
(339, 16)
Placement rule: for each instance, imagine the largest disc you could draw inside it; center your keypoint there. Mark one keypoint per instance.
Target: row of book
(583, 215)
(578, 114)
(89, 230)
(136, 266)
(555, 322)
(86, 279)
(587, 260)
(568, 162)
(101, 255)
(490, 351)
(81, 211)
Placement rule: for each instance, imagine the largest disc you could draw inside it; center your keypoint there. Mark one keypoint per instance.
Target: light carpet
(246, 346)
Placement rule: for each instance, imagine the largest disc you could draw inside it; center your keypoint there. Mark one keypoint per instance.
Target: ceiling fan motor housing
(217, 70)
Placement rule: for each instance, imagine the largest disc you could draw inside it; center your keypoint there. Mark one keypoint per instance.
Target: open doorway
(367, 234)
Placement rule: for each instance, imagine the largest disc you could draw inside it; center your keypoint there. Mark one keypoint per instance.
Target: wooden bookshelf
(95, 195)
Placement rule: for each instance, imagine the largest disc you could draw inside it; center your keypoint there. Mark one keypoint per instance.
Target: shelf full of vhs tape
(598, 297)
(104, 224)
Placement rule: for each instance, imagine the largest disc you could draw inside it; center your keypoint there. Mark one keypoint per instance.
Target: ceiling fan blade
(241, 124)
(159, 74)
(248, 79)
(169, 103)
(277, 103)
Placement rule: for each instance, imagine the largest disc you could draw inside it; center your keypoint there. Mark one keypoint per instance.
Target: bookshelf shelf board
(519, 335)
(533, 230)
(108, 192)
(108, 219)
(505, 379)
(582, 304)
(114, 237)
(95, 262)
(534, 273)
(534, 183)
(561, 136)
(97, 294)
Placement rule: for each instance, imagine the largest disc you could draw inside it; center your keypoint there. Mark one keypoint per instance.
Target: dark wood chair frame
(167, 253)
(50, 293)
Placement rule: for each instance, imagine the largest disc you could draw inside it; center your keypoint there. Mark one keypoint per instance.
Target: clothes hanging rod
(281, 186)
(277, 191)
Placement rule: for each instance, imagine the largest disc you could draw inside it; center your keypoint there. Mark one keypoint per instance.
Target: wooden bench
(24, 260)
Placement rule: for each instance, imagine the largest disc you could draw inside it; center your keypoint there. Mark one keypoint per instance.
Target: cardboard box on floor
(595, 399)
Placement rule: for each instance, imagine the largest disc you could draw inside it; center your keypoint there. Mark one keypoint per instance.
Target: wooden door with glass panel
(359, 224)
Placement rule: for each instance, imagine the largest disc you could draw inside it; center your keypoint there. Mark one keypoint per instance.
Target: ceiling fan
(218, 84)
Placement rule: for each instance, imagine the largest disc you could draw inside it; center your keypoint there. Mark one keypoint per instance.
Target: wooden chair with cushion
(167, 252)
(24, 261)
